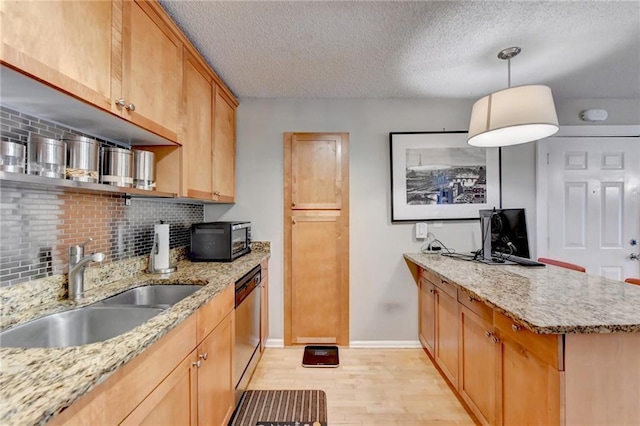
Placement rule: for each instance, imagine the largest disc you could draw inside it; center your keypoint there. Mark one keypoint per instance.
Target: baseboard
(396, 344)
(274, 343)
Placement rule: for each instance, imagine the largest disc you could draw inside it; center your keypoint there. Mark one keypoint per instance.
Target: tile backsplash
(38, 225)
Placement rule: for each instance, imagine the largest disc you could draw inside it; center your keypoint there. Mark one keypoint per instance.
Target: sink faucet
(77, 264)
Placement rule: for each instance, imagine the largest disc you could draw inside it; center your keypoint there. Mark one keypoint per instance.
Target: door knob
(197, 364)
(204, 356)
(634, 256)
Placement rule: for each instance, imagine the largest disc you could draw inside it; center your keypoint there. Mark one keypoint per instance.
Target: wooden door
(315, 272)
(151, 76)
(67, 44)
(196, 137)
(427, 316)
(477, 364)
(447, 335)
(173, 402)
(316, 265)
(316, 171)
(215, 382)
(224, 149)
(528, 389)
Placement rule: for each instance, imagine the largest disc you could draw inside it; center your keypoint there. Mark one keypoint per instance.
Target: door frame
(542, 182)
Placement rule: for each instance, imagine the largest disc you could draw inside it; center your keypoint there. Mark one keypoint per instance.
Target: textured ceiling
(443, 49)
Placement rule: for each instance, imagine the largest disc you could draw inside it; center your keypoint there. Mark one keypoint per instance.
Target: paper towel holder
(152, 258)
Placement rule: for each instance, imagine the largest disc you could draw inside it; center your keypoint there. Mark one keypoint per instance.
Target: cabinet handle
(204, 356)
(432, 291)
(293, 221)
(471, 299)
(515, 327)
(293, 204)
(488, 334)
(122, 103)
(196, 364)
(494, 339)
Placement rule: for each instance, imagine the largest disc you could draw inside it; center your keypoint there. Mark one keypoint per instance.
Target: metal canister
(12, 157)
(117, 167)
(144, 169)
(46, 157)
(82, 158)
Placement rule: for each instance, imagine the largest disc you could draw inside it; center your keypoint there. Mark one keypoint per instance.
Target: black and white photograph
(446, 176)
(438, 176)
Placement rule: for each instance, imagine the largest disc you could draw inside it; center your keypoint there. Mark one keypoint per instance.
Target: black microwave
(219, 241)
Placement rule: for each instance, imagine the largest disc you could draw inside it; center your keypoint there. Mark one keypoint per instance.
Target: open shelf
(19, 180)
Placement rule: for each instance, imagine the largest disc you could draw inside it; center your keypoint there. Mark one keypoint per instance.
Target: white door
(593, 204)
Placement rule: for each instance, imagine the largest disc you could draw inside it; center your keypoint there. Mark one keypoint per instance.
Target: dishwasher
(246, 350)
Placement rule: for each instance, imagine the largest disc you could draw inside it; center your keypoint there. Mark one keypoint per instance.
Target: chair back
(562, 264)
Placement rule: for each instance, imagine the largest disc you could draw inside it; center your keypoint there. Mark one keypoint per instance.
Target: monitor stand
(486, 245)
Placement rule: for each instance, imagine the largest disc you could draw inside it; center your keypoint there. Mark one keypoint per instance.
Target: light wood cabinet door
(316, 269)
(528, 389)
(478, 364)
(197, 137)
(427, 316)
(446, 346)
(215, 382)
(224, 149)
(151, 78)
(264, 307)
(316, 171)
(64, 43)
(173, 402)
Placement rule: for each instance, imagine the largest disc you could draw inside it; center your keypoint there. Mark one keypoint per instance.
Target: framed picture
(438, 176)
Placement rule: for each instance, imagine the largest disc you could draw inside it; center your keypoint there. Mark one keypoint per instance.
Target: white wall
(383, 295)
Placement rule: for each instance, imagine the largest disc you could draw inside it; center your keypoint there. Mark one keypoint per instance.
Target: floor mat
(320, 356)
(281, 408)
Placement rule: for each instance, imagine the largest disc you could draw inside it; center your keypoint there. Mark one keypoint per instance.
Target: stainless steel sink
(76, 327)
(159, 295)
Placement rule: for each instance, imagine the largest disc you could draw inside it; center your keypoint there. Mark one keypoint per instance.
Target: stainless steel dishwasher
(246, 349)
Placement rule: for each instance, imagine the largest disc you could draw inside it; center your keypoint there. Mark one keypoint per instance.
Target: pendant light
(514, 115)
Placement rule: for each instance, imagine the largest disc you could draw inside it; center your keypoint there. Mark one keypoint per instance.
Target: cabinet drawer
(476, 306)
(443, 284)
(210, 315)
(547, 347)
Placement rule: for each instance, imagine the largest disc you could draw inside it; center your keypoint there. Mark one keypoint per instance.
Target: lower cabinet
(427, 315)
(173, 401)
(185, 378)
(264, 305)
(477, 364)
(215, 382)
(505, 375)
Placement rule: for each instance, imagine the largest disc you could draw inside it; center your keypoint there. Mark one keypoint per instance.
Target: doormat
(320, 356)
(281, 408)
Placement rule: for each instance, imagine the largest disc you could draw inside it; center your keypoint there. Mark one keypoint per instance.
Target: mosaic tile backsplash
(38, 225)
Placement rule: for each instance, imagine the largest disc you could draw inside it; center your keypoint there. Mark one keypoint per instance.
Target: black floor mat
(320, 356)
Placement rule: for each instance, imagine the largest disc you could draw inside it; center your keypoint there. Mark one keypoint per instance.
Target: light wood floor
(370, 387)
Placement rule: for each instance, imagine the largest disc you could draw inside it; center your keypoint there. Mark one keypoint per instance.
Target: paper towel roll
(162, 258)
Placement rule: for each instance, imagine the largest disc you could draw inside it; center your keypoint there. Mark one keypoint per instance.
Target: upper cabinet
(64, 43)
(148, 89)
(224, 148)
(197, 135)
(316, 171)
(126, 57)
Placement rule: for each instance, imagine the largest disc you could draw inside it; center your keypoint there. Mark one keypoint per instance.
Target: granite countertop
(545, 300)
(37, 383)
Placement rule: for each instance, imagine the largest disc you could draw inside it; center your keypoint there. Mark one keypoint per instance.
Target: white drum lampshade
(513, 116)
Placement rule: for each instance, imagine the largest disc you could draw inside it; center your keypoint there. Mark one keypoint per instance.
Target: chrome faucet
(77, 264)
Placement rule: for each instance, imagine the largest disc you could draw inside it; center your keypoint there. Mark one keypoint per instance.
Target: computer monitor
(504, 231)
